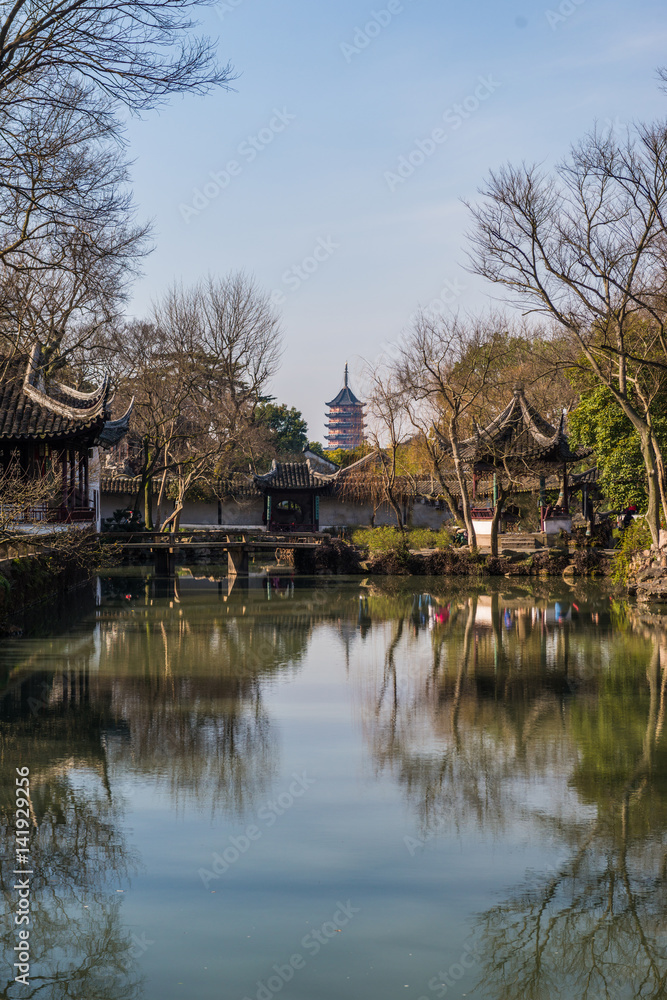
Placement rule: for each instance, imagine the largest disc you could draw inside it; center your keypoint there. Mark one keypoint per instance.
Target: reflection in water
(170, 691)
(490, 711)
(550, 712)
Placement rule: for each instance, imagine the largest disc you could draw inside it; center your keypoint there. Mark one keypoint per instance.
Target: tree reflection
(543, 712)
(78, 857)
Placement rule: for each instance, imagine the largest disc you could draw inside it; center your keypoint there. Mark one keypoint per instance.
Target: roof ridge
(31, 387)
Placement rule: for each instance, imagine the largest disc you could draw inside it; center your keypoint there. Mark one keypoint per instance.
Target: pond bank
(52, 568)
(461, 562)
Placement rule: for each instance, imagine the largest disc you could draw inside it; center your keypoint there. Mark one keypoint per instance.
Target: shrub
(123, 520)
(377, 541)
(634, 539)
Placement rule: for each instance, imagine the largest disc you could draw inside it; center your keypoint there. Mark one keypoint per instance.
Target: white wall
(333, 513)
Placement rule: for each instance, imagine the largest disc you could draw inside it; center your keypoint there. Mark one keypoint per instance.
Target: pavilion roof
(520, 437)
(293, 476)
(33, 407)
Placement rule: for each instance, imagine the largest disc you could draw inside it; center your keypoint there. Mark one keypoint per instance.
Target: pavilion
(520, 442)
(47, 427)
(292, 492)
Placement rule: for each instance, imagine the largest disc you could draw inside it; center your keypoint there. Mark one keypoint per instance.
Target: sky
(336, 169)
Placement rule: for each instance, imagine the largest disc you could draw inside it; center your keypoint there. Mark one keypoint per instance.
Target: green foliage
(635, 538)
(599, 423)
(347, 456)
(317, 448)
(388, 539)
(287, 424)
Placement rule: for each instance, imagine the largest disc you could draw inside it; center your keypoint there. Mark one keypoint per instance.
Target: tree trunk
(653, 512)
(467, 516)
(148, 490)
(495, 523)
(660, 468)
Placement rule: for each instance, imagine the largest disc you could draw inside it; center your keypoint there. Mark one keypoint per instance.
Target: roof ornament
(346, 374)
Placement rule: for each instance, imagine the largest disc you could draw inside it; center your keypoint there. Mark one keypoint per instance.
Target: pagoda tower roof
(345, 397)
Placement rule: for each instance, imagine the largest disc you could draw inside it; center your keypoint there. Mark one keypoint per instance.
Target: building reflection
(546, 715)
(488, 709)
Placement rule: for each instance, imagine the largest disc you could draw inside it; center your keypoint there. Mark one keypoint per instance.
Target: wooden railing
(41, 514)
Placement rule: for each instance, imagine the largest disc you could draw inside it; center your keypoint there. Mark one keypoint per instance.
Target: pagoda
(345, 419)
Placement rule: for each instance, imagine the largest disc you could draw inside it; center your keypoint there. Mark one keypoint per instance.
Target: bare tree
(586, 247)
(387, 431)
(447, 369)
(134, 51)
(197, 372)
(68, 74)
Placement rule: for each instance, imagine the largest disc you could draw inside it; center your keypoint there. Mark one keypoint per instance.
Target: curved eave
(114, 431)
(81, 414)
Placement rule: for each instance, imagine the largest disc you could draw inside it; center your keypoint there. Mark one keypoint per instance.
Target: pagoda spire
(346, 374)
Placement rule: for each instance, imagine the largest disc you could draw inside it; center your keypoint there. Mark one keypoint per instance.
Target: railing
(280, 526)
(49, 515)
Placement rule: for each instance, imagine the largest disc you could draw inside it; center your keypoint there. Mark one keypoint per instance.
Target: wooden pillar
(86, 480)
(165, 560)
(238, 562)
(72, 477)
(63, 462)
(566, 502)
(80, 458)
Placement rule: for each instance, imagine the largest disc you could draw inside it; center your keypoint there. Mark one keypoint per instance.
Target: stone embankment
(647, 573)
(461, 562)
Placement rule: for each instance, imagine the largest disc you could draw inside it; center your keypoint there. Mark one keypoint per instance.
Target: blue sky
(294, 176)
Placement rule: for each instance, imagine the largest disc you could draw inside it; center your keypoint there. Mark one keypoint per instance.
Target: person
(628, 515)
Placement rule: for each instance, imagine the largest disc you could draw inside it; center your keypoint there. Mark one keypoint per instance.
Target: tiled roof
(345, 397)
(292, 476)
(32, 410)
(519, 435)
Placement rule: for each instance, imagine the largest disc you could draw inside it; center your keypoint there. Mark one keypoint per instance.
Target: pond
(370, 789)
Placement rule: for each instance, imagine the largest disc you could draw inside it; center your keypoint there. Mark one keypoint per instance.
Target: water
(360, 789)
